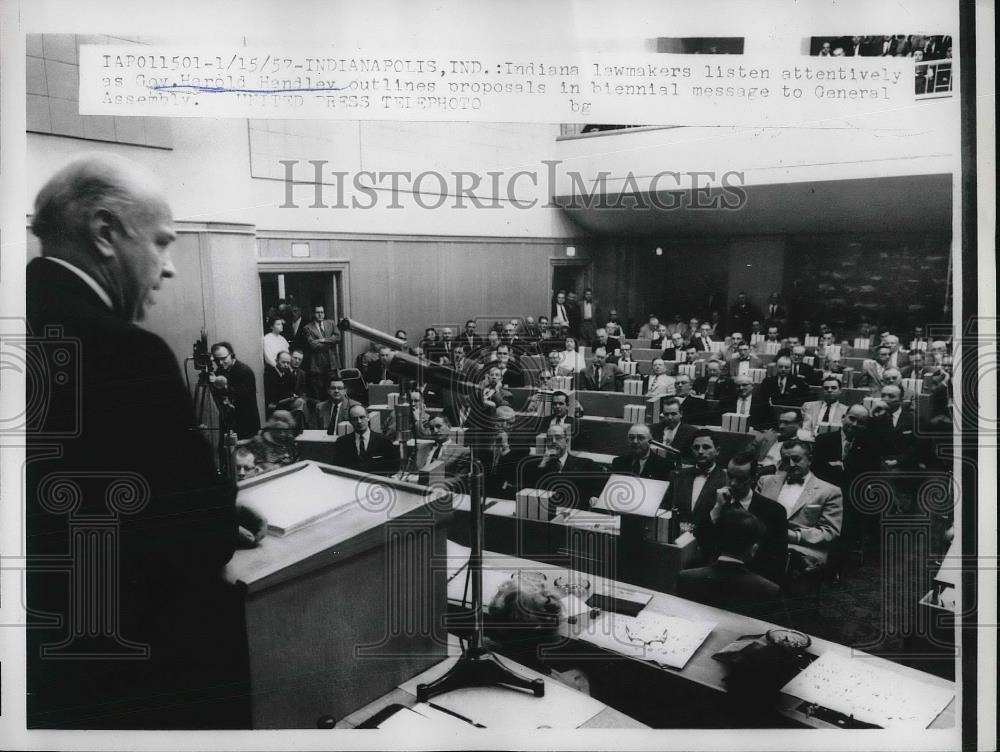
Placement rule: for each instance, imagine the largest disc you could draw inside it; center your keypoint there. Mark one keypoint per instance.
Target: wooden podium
(342, 609)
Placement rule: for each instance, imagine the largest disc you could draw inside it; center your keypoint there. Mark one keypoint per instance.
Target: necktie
(635, 465)
(334, 413)
(743, 406)
(781, 385)
(436, 453)
(597, 378)
(825, 417)
(362, 451)
(793, 481)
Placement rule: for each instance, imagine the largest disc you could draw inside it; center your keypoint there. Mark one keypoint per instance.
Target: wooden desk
(605, 717)
(701, 671)
(324, 635)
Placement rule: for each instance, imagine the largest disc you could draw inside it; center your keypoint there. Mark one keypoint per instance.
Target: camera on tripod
(201, 358)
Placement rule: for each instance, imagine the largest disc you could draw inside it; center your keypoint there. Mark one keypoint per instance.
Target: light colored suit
(811, 412)
(817, 515)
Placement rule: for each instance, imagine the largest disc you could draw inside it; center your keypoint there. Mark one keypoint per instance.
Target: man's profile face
(737, 338)
(772, 332)
(297, 359)
(508, 331)
(784, 366)
(561, 298)
(744, 386)
(892, 396)
(555, 439)
(683, 385)
(704, 451)
(284, 361)
(854, 420)
(706, 331)
(659, 367)
(142, 249)
(602, 336)
(744, 351)
(787, 426)
(246, 466)
(470, 327)
(440, 430)
(554, 359)
(713, 369)
(503, 355)
(600, 355)
(883, 355)
(319, 313)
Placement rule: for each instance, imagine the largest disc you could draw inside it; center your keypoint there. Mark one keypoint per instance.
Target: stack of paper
(869, 693)
(292, 501)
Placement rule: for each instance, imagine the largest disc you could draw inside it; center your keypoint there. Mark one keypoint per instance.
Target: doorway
(571, 276)
(305, 289)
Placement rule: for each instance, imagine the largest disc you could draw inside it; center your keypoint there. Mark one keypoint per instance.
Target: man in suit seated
(743, 360)
(560, 416)
(280, 387)
(748, 401)
(873, 370)
(378, 372)
(330, 413)
(893, 377)
(738, 494)
(918, 367)
(419, 419)
(456, 458)
(639, 460)
(600, 375)
(692, 489)
(503, 464)
(650, 328)
(827, 410)
(693, 409)
(783, 388)
(626, 354)
(365, 450)
(511, 373)
(702, 340)
(575, 479)
(674, 433)
(801, 368)
(767, 446)
(897, 356)
(846, 458)
(610, 344)
(814, 508)
(470, 338)
(728, 583)
(658, 382)
(714, 385)
(674, 347)
(895, 431)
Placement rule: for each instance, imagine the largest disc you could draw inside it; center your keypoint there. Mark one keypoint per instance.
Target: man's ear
(103, 227)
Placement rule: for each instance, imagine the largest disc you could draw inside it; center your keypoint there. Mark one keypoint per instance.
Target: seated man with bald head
(575, 479)
(639, 460)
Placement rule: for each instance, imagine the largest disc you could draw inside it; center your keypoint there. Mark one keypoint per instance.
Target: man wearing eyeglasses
(235, 382)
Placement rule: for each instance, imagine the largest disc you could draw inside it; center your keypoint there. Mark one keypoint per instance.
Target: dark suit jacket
(278, 386)
(322, 357)
(682, 441)
(383, 456)
(760, 410)
(242, 390)
(611, 377)
(681, 486)
(899, 442)
(125, 418)
(572, 423)
(704, 345)
(656, 467)
(829, 464)
(579, 479)
(733, 587)
(723, 387)
(611, 345)
(694, 410)
(772, 553)
(810, 374)
(321, 417)
(796, 391)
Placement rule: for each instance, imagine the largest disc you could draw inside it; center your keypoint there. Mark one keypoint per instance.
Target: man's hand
(252, 527)
(722, 499)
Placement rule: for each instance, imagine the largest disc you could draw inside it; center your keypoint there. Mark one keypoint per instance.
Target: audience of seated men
(738, 493)
(280, 385)
(511, 373)
(331, 412)
(365, 450)
(601, 376)
(611, 344)
(813, 507)
(378, 371)
(692, 489)
(640, 460)
(454, 457)
(574, 479)
(828, 410)
(506, 459)
(674, 434)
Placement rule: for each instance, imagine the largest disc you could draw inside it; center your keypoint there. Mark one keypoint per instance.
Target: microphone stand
(477, 666)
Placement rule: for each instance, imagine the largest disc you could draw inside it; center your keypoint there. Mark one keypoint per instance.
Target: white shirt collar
(90, 281)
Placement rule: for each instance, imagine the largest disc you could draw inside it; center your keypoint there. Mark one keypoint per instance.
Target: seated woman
(275, 445)
(521, 619)
(572, 359)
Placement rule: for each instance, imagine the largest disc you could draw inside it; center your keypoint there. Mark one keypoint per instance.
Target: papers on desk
(665, 640)
(869, 693)
(291, 501)
(502, 707)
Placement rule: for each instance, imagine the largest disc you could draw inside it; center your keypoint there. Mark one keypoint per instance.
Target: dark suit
(655, 468)
(682, 485)
(703, 345)
(772, 552)
(172, 538)
(897, 442)
(731, 586)
(380, 457)
(806, 371)
(609, 379)
(572, 425)
(720, 390)
(694, 410)
(513, 376)
(851, 474)
(323, 419)
(760, 410)
(242, 390)
(278, 386)
(611, 345)
(578, 480)
(681, 442)
(795, 393)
